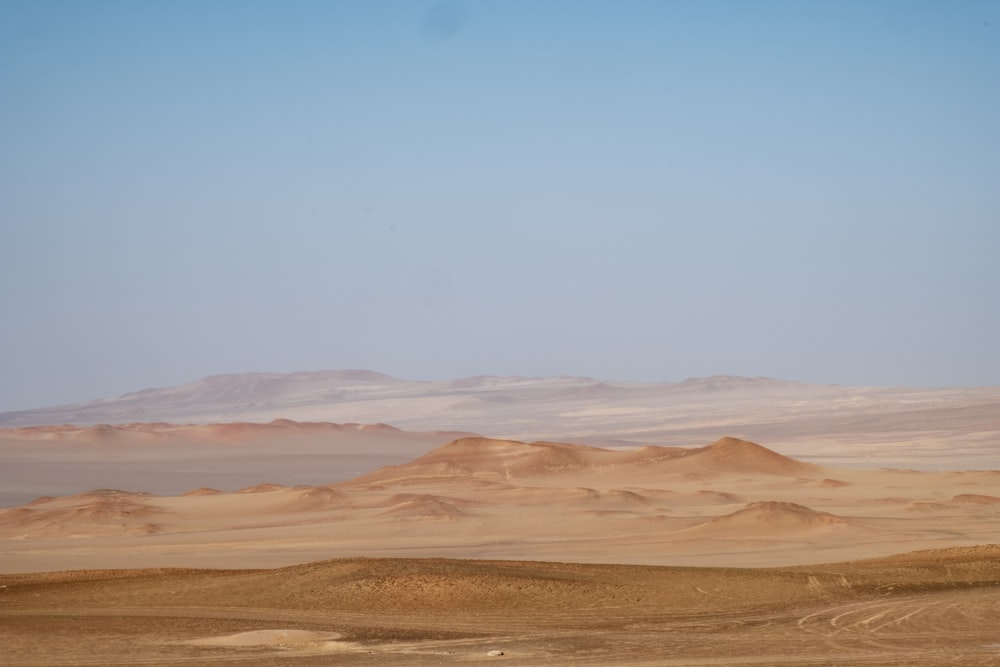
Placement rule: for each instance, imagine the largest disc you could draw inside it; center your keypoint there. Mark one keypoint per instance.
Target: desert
(345, 543)
(451, 332)
(926, 608)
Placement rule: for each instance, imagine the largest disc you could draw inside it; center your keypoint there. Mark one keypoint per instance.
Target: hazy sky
(631, 190)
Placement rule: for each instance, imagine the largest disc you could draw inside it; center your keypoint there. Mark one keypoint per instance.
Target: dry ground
(926, 608)
(174, 458)
(869, 426)
(729, 504)
(557, 513)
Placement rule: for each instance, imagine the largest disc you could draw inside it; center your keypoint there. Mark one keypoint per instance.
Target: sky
(804, 190)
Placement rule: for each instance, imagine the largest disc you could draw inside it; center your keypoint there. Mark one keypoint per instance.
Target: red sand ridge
(223, 431)
(510, 459)
(734, 455)
(769, 520)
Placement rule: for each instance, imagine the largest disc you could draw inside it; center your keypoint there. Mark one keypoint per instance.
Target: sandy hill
(732, 502)
(99, 512)
(740, 456)
(769, 520)
(507, 459)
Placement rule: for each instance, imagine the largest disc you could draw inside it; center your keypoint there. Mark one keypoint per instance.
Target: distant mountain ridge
(830, 422)
(260, 396)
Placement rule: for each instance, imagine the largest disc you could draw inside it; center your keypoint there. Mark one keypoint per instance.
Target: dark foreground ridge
(911, 609)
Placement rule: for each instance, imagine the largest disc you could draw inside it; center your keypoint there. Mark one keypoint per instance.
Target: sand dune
(732, 502)
(203, 491)
(513, 535)
(424, 506)
(506, 460)
(556, 554)
(739, 456)
(496, 459)
(100, 512)
(313, 498)
(769, 519)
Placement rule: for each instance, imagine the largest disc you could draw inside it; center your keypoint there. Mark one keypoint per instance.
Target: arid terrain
(926, 608)
(954, 428)
(326, 543)
(170, 458)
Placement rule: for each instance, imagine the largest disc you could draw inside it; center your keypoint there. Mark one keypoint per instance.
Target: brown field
(926, 608)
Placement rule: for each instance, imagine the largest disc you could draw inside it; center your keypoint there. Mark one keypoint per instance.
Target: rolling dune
(538, 553)
(769, 519)
(730, 503)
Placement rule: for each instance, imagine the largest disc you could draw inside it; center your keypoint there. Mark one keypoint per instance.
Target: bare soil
(925, 608)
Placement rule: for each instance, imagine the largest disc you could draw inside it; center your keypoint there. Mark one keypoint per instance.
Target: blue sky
(630, 190)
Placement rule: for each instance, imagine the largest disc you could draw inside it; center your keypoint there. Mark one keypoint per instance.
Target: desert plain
(793, 536)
